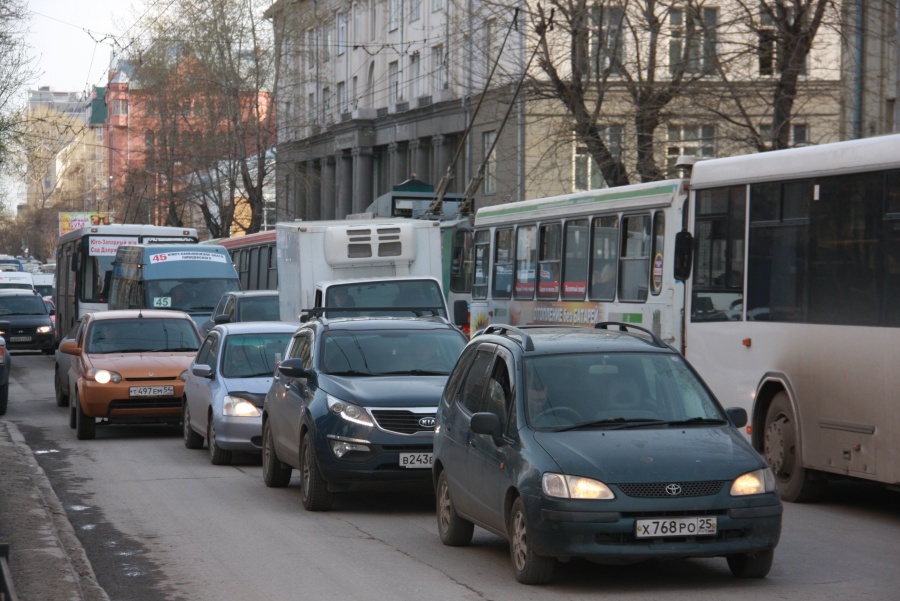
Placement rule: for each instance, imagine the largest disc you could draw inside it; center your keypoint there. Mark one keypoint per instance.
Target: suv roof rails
(505, 330)
(630, 329)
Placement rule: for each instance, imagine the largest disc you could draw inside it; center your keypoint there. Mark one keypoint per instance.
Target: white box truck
(359, 267)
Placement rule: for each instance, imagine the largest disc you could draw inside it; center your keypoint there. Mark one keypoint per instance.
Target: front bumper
(112, 402)
(34, 342)
(562, 528)
(239, 433)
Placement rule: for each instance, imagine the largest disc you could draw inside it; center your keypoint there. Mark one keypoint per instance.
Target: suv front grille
(402, 421)
(656, 490)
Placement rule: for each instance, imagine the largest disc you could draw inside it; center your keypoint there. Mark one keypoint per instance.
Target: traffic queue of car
(569, 442)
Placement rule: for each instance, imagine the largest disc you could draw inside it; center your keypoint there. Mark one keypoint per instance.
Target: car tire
(454, 530)
(73, 403)
(528, 566)
(85, 425)
(781, 448)
(217, 455)
(192, 440)
(62, 400)
(4, 398)
(751, 565)
(276, 474)
(313, 488)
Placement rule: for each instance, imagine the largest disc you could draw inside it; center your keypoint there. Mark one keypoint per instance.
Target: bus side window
(548, 261)
(604, 258)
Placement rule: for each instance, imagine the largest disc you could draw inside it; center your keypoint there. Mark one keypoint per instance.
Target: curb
(76, 557)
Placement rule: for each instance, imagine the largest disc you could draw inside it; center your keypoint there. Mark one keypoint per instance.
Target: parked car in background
(30, 326)
(5, 365)
(604, 444)
(226, 385)
(352, 405)
(129, 367)
(244, 305)
(62, 375)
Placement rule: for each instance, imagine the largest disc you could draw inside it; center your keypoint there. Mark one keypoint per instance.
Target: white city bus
(84, 258)
(579, 259)
(794, 305)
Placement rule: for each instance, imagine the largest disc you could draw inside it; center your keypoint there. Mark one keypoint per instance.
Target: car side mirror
(221, 318)
(4, 330)
(293, 368)
(69, 347)
(202, 371)
(488, 424)
(737, 415)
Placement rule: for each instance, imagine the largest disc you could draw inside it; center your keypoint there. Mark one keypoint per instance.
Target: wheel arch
(770, 385)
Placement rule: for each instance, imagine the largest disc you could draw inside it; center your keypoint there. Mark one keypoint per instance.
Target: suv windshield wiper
(621, 423)
(350, 372)
(414, 372)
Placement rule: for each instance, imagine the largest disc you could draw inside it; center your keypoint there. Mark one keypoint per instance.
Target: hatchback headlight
(754, 483)
(574, 487)
(349, 411)
(103, 376)
(44, 329)
(235, 407)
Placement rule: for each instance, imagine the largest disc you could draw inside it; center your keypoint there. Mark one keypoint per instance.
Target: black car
(243, 305)
(353, 404)
(30, 326)
(598, 443)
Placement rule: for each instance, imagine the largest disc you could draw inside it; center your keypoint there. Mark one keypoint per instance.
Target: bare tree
(15, 69)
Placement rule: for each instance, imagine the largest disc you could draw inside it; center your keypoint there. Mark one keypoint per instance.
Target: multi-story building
(372, 92)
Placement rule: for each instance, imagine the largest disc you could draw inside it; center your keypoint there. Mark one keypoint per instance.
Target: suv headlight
(349, 411)
(103, 376)
(574, 487)
(235, 407)
(756, 482)
(44, 329)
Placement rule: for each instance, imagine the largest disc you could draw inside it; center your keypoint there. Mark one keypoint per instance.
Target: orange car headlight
(103, 376)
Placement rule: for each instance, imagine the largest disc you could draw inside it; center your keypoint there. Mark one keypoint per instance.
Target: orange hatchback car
(128, 368)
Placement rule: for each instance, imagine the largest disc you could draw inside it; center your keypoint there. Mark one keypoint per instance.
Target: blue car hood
(386, 391)
(651, 455)
(261, 384)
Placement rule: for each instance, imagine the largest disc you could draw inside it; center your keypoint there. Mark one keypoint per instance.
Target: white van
(16, 279)
(44, 283)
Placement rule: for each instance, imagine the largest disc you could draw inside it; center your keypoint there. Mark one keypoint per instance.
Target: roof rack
(506, 330)
(630, 329)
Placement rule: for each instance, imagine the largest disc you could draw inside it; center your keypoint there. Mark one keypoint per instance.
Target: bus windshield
(191, 296)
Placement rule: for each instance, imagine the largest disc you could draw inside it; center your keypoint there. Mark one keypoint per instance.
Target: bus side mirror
(460, 313)
(684, 254)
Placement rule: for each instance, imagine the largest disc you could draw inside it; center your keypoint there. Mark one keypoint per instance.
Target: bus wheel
(782, 452)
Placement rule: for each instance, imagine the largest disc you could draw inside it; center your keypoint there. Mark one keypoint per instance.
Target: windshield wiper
(695, 421)
(614, 423)
(350, 372)
(414, 372)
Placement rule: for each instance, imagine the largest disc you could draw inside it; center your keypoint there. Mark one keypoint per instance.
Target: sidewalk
(46, 559)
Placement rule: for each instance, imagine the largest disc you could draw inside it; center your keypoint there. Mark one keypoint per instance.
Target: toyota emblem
(673, 490)
(427, 422)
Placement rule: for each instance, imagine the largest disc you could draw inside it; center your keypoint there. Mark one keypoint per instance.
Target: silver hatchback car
(226, 385)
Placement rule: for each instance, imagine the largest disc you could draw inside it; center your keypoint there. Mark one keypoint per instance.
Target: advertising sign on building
(73, 221)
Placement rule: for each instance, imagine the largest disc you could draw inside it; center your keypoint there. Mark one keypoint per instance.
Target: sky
(71, 40)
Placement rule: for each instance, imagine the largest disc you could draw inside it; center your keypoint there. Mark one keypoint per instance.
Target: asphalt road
(158, 521)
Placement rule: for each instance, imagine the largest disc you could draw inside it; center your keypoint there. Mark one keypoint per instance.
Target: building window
(394, 8)
(607, 44)
(342, 97)
(311, 108)
(373, 19)
(326, 104)
(588, 175)
(326, 42)
(438, 73)
(765, 49)
(415, 86)
(149, 139)
(689, 140)
(310, 49)
(120, 107)
(341, 33)
(490, 32)
(415, 10)
(437, 5)
(800, 134)
(694, 35)
(490, 164)
(394, 81)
